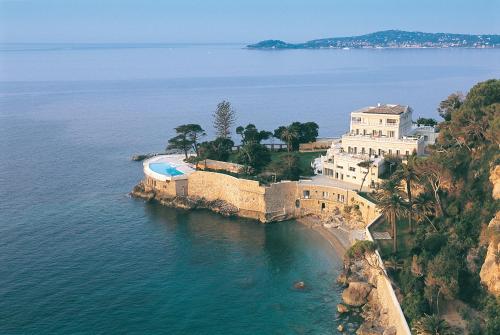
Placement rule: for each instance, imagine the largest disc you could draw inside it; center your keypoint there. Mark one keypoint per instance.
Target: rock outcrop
(490, 271)
(184, 202)
(356, 294)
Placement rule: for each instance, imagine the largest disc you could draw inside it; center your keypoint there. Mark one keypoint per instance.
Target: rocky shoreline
(183, 202)
(360, 296)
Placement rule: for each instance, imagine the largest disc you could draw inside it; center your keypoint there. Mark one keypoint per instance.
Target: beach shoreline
(338, 243)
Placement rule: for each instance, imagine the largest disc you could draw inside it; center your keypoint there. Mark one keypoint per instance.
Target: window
(325, 195)
(340, 197)
(340, 167)
(352, 169)
(390, 133)
(363, 150)
(398, 152)
(357, 131)
(390, 151)
(392, 121)
(407, 153)
(306, 194)
(380, 121)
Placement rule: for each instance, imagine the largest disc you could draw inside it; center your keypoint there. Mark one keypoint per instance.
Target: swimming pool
(165, 169)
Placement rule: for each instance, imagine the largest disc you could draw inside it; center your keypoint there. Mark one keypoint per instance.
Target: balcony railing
(405, 139)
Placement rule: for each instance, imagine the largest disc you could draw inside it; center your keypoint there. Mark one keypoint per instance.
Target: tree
(392, 206)
(297, 133)
(408, 173)
(218, 149)
(250, 134)
(288, 135)
(450, 105)
(436, 177)
(254, 155)
(431, 325)
(187, 138)
(426, 122)
(287, 166)
(442, 279)
(224, 118)
(422, 207)
(367, 164)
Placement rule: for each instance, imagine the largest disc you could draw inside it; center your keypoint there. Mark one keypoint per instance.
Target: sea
(79, 256)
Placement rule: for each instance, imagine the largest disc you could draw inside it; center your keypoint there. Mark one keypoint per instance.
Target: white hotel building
(375, 131)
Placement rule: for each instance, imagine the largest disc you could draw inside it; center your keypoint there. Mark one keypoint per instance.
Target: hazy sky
(235, 20)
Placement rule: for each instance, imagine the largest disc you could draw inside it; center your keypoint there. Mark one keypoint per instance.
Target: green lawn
(405, 239)
(305, 159)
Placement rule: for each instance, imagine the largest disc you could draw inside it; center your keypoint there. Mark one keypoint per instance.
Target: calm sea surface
(79, 256)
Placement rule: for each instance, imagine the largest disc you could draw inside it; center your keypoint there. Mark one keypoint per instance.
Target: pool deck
(176, 161)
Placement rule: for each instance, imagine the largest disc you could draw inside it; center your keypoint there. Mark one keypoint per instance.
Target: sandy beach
(338, 242)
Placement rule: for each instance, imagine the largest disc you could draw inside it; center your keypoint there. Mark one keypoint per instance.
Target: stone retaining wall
(386, 293)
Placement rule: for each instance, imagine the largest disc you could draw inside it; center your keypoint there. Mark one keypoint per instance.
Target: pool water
(165, 169)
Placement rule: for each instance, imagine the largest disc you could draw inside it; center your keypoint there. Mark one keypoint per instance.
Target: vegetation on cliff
(438, 259)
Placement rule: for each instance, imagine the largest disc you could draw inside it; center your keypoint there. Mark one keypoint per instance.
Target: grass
(305, 159)
(404, 238)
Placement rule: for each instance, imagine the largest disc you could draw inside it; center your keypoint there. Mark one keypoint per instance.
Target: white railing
(404, 139)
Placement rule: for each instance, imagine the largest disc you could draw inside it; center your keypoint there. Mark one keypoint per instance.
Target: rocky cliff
(490, 271)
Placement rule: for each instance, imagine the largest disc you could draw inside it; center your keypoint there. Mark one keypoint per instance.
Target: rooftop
(384, 109)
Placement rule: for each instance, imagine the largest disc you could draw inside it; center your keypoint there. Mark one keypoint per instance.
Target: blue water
(77, 255)
(165, 169)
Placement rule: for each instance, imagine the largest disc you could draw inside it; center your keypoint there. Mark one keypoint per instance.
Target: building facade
(375, 132)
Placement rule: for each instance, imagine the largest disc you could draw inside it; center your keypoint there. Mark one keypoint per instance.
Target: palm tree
(431, 325)
(392, 205)
(288, 135)
(408, 173)
(367, 164)
(422, 207)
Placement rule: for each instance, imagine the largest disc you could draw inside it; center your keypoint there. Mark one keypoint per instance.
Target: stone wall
(276, 202)
(386, 294)
(219, 165)
(245, 194)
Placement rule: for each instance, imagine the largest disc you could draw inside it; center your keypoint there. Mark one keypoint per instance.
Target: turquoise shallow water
(78, 256)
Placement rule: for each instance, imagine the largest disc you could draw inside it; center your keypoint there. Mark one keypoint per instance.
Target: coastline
(338, 243)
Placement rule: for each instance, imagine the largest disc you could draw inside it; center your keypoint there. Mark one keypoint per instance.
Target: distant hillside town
(389, 39)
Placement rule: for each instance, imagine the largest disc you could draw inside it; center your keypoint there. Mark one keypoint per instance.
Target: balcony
(385, 139)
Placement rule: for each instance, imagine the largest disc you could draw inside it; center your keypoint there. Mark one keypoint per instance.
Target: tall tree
(450, 105)
(250, 134)
(224, 118)
(218, 149)
(302, 133)
(367, 164)
(423, 208)
(187, 138)
(408, 173)
(392, 205)
(288, 135)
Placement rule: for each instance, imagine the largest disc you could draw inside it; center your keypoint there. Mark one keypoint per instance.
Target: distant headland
(389, 39)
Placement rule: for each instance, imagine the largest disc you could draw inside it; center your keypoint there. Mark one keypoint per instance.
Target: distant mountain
(390, 39)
